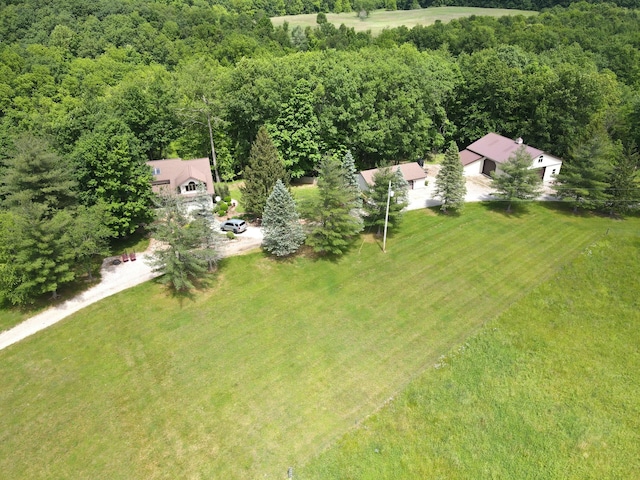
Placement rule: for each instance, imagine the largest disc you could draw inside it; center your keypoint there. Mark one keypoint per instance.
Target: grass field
(278, 359)
(380, 19)
(550, 390)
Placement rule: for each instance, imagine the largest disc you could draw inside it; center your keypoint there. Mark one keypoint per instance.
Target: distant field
(381, 19)
(279, 359)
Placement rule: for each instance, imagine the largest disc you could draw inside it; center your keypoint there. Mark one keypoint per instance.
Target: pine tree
(37, 249)
(283, 233)
(375, 205)
(450, 182)
(34, 173)
(517, 181)
(584, 179)
(262, 173)
(335, 225)
(181, 261)
(624, 180)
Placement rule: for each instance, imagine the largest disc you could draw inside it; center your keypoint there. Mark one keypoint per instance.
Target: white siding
(474, 168)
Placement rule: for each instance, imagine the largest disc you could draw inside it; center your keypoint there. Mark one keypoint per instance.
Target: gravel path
(114, 279)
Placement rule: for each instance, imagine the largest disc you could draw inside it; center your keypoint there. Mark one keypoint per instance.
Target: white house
(413, 173)
(485, 155)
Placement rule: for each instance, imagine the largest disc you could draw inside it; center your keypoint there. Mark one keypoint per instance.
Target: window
(540, 159)
(553, 172)
(191, 187)
(156, 171)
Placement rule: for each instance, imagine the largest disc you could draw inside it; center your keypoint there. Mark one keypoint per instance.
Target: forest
(91, 90)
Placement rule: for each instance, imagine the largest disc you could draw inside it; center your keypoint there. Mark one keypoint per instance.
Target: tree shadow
(499, 206)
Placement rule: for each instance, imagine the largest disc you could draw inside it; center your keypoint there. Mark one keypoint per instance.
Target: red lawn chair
(132, 256)
(125, 257)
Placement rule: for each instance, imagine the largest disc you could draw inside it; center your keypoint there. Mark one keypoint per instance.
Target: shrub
(231, 235)
(222, 190)
(227, 199)
(221, 208)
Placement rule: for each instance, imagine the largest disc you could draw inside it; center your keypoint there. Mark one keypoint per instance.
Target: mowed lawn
(550, 390)
(378, 20)
(278, 359)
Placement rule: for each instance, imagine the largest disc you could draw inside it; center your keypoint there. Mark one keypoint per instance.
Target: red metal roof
(498, 148)
(467, 157)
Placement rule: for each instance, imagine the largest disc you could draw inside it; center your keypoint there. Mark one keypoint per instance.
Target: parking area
(478, 190)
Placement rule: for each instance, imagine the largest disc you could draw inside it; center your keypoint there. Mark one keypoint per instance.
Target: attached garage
(488, 166)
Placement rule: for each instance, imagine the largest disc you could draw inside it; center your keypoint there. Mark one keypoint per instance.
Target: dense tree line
(110, 84)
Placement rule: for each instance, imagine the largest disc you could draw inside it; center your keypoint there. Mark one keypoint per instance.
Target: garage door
(488, 166)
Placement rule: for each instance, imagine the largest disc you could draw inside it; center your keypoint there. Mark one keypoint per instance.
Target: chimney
(519, 140)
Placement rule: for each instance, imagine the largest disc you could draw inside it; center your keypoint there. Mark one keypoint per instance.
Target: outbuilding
(487, 154)
(413, 173)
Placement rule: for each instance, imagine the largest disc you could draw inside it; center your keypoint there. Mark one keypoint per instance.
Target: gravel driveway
(114, 279)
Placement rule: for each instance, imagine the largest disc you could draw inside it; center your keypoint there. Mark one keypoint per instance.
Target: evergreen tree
(450, 182)
(624, 181)
(335, 225)
(36, 253)
(180, 262)
(351, 172)
(375, 205)
(34, 173)
(260, 176)
(283, 233)
(584, 179)
(205, 221)
(517, 181)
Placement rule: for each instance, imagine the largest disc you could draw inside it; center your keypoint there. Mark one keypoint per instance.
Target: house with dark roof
(181, 176)
(487, 154)
(413, 173)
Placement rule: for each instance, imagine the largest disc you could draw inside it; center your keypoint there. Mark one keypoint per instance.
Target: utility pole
(386, 219)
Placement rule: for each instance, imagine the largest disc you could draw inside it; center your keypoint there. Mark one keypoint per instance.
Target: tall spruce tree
(334, 223)
(351, 172)
(517, 181)
(584, 179)
(450, 182)
(260, 176)
(375, 205)
(283, 233)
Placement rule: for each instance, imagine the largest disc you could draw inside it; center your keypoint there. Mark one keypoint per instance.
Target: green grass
(380, 19)
(277, 360)
(550, 390)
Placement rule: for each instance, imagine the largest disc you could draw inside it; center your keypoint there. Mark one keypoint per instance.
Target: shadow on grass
(518, 209)
(200, 285)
